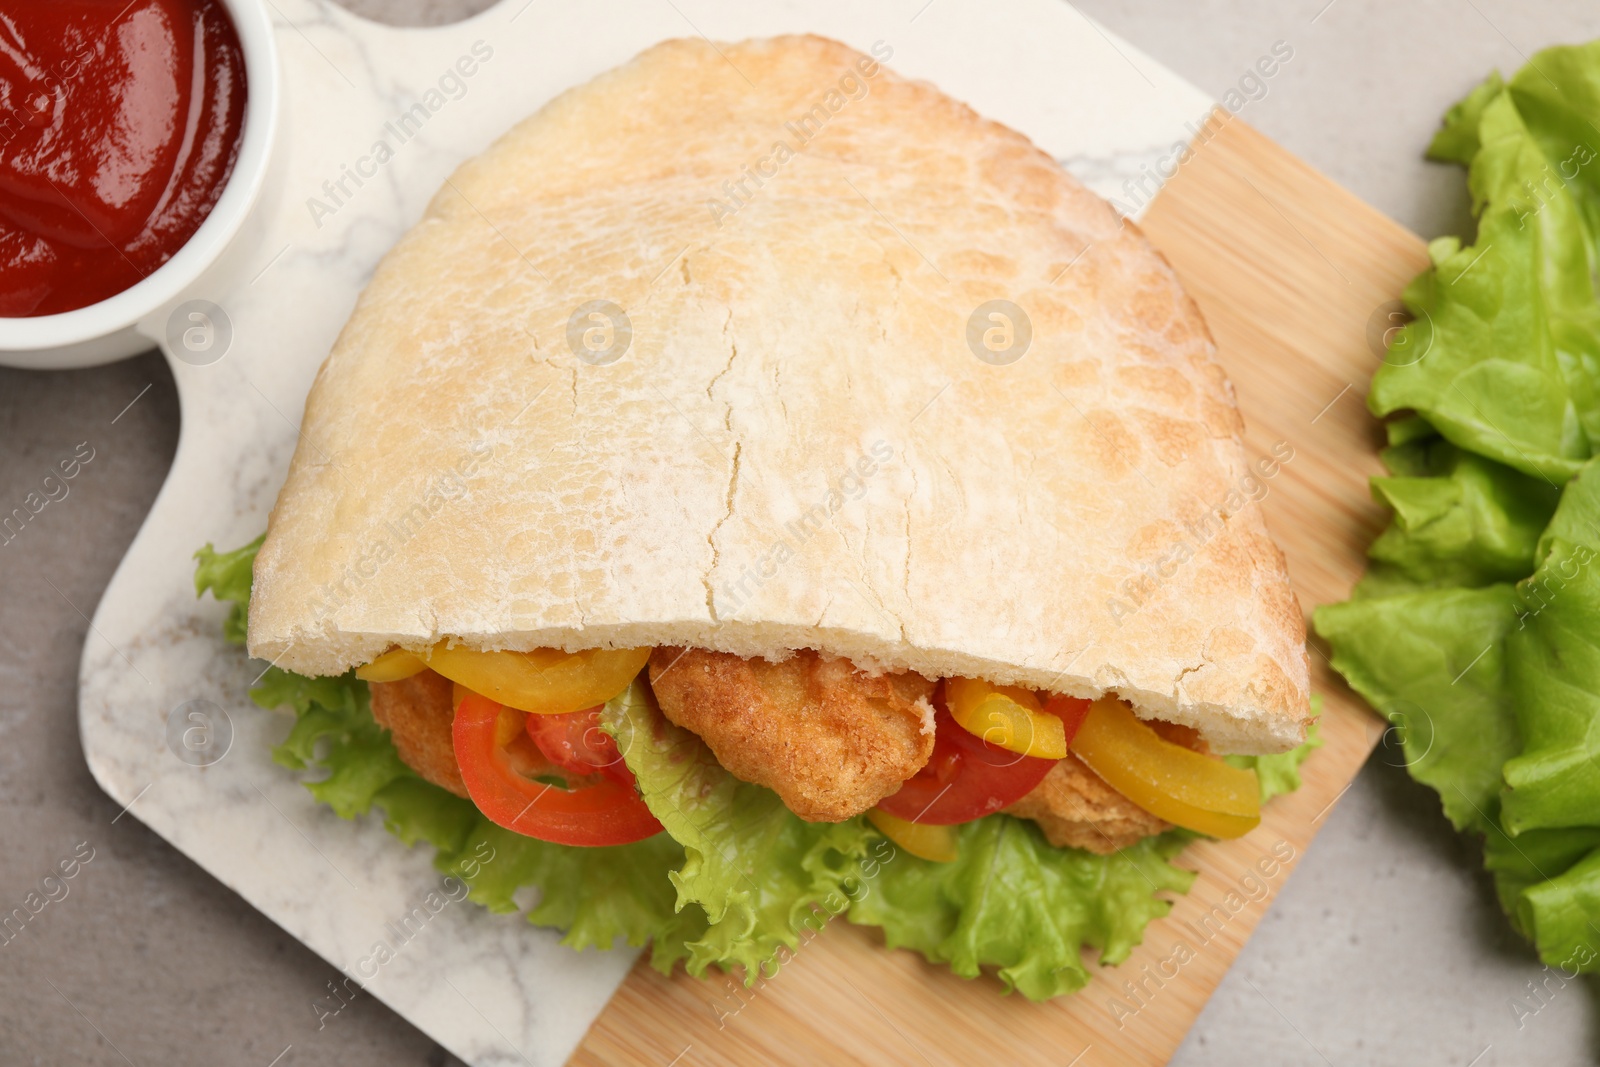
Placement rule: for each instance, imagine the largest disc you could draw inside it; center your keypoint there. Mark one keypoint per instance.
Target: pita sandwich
(754, 460)
(767, 350)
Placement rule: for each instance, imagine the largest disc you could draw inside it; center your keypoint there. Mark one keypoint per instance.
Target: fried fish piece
(1076, 808)
(829, 739)
(418, 713)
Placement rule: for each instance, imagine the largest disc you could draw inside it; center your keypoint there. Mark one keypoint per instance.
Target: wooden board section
(1289, 270)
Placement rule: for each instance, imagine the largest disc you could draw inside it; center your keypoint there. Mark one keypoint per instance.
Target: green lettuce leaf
(1557, 914)
(1555, 672)
(1404, 431)
(1013, 902)
(1280, 773)
(227, 575)
(1530, 860)
(761, 876)
(334, 733)
(1494, 688)
(1558, 95)
(1457, 729)
(1503, 351)
(1467, 521)
(1434, 664)
(1457, 139)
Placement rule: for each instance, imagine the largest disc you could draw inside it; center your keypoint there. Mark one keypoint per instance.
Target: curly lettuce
(1477, 628)
(1494, 692)
(1434, 664)
(1502, 353)
(1460, 520)
(1554, 658)
(1013, 902)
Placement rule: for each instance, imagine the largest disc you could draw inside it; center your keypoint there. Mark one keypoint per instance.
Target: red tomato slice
(607, 813)
(966, 778)
(576, 743)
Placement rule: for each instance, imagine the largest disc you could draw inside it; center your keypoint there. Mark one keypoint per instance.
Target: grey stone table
(1385, 947)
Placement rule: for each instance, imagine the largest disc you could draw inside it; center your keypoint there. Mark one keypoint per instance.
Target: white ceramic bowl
(133, 320)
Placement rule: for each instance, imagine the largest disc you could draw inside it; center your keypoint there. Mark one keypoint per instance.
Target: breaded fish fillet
(829, 739)
(1076, 808)
(417, 712)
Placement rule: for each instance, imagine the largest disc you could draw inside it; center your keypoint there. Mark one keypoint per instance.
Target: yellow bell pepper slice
(545, 681)
(1007, 716)
(936, 843)
(392, 666)
(1169, 781)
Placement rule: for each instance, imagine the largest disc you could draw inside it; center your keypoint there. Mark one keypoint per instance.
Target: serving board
(1288, 269)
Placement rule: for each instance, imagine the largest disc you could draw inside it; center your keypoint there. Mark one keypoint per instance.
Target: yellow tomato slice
(1167, 780)
(936, 843)
(1007, 716)
(545, 681)
(392, 666)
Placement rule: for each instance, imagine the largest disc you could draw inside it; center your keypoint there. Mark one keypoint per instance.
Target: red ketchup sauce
(119, 126)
